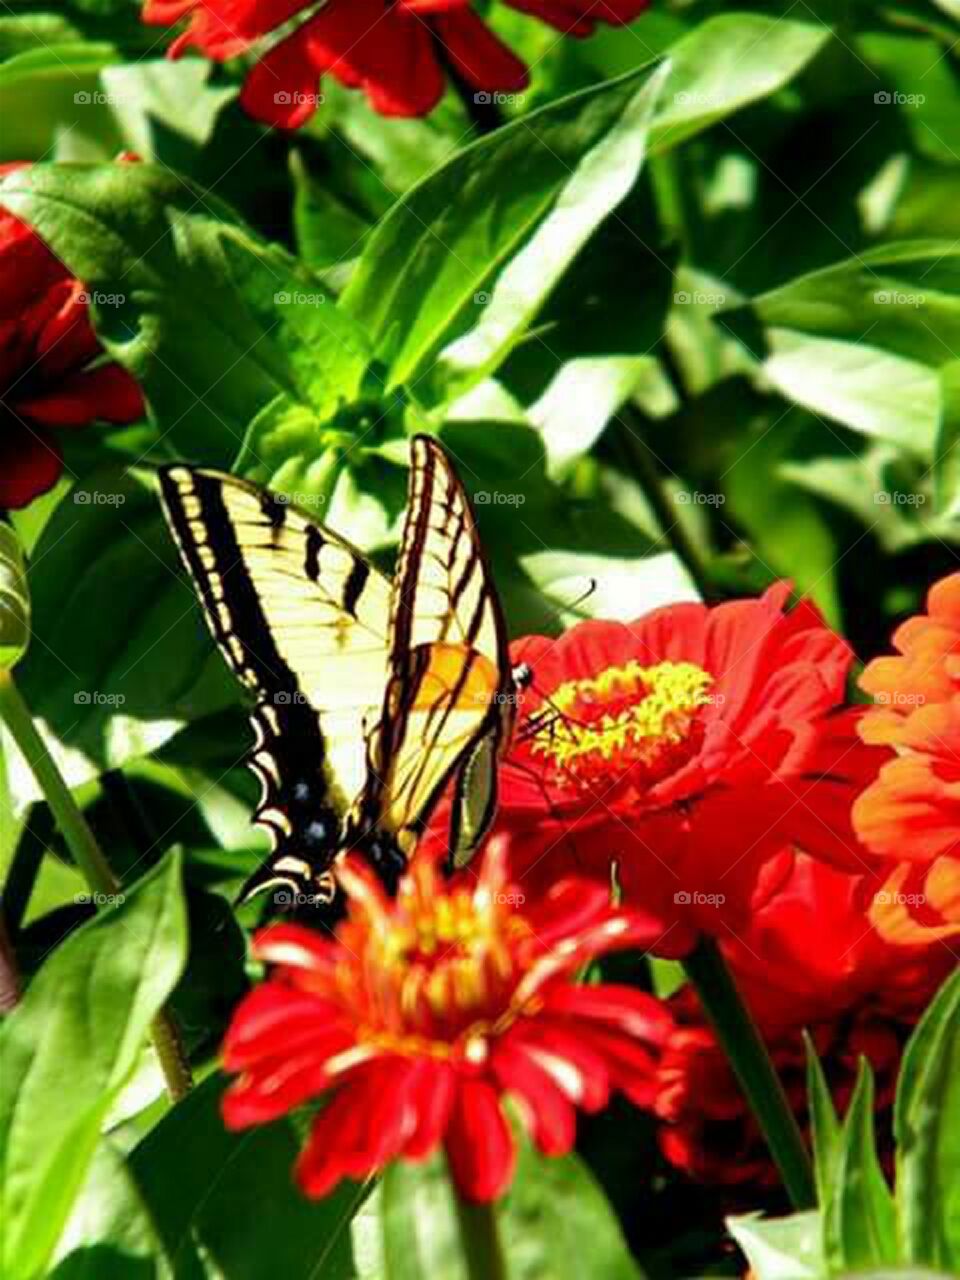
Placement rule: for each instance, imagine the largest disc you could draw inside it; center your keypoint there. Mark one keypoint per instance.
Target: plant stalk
(88, 856)
(715, 985)
(481, 1241)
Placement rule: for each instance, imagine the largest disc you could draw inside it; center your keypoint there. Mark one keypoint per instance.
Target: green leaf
(927, 1130)
(781, 1248)
(67, 1051)
(861, 342)
(430, 262)
(213, 322)
(859, 1227)
(726, 63)
(223, 1203)
(109, 1235)
(553, 1207)
(109, 691)
(51, 92)
(824, 1124)
(14, 600)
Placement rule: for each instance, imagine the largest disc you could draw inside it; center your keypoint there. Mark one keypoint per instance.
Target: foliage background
(689, 329)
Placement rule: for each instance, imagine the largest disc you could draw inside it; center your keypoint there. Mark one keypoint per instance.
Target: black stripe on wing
(289, 751)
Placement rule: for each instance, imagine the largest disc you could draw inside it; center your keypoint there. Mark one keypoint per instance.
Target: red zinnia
(50, 376)
(855, 993)
(398, 51)
(426, 1009)
(687, 751)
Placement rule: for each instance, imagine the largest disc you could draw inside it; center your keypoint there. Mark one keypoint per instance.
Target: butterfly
(371, 695)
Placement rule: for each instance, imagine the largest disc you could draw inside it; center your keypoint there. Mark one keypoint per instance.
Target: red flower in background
(50, 376)
(808, 960)
(398, 51)
(688, 750)
(426, 1009)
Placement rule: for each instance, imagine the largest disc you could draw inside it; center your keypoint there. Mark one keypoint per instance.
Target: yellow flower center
(636, 718)
(440, 976)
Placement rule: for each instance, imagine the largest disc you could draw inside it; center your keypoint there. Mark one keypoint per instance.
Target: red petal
(549, 1115)
(30, 463)
(479, 56)
(479, 1143)
(106, 394)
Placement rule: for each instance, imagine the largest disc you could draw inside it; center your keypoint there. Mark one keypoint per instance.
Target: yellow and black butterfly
(371, 696)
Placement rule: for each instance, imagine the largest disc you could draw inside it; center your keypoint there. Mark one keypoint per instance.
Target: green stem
(481, 1241)
(664, 510)
(87, 854)
(708, 971)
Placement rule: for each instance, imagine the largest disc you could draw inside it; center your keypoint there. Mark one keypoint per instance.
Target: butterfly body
(371, 696)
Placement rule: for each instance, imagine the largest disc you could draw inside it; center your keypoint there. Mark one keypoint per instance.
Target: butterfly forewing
(301, 618)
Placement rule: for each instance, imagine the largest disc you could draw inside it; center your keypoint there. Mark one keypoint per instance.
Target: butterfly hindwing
(448, 702)
(301, 618)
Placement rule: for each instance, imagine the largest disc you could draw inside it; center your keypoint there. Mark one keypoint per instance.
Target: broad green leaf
(51, 92)
(14, 600)
(726, 63)
(213, 322)
(114, 674)
(67, 1051)
(859, 1226)
(927, 1130)
(861, 342)
(781, 1248)
(171, 96)
(109, 1235)
(600, 181)
(580, 401)
(21, 32)
(824, 1125)
(431, 263)
(553, 1222)
(231, 1208)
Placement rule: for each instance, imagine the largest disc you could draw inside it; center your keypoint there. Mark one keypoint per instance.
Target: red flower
(397, 51)
(857, 995)
(912, 809)
(686, 751)
(425, 1010)
(50, 378)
